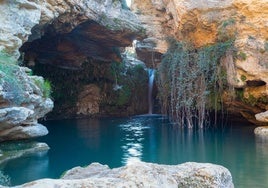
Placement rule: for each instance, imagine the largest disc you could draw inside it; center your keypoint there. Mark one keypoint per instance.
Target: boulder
(263, 116)
(261, 131)
(141, 174)
(23, 102)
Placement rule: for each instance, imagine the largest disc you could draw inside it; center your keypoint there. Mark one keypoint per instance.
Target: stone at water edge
(261, 131)
(141, 174)
(262, 117)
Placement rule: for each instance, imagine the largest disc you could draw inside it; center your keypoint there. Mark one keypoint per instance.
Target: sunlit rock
(71, 31)
(23, 102)
(263, 116)
(203, 23)
(141, 174)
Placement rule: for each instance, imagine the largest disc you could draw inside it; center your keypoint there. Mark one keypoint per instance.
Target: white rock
(141, 174)
(261, 131)
(263, 116)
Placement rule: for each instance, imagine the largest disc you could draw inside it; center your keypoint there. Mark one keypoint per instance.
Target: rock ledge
(141, 174)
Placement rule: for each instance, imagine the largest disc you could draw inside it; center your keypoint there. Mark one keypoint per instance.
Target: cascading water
(150, 86)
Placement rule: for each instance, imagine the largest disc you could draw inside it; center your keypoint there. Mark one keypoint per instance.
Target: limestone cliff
(207, 22)
(71, 31)
(63, 34)
(23, 102)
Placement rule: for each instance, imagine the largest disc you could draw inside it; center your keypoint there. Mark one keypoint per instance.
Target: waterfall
(150, 90)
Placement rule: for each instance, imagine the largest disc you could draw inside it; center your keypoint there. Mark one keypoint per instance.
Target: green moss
(241, 56)
(228, 22)
(243, 77)
(45, 86)
(47, 89)
(239, 93)
(226, 30)
(251, 100)
(263, 100)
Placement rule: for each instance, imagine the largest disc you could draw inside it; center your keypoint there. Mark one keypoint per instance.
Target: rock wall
(208, 22)
(62, 33)
(71, 31)
(140, 174)
(98, 89)
(23, 102)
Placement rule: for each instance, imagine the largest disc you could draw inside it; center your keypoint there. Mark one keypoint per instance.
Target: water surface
(116, 142)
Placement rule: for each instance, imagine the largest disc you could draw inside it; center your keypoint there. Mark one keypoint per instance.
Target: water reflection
(120, 141)
(89, 131)
(36, 168)
(132, 147)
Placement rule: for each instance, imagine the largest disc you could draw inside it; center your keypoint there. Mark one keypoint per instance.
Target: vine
(191, 81)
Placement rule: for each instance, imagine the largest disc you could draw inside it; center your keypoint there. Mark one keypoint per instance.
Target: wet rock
(141, 174)
(12, 150)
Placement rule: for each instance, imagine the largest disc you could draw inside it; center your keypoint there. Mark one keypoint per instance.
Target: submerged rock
(12, 150)
(141, 174)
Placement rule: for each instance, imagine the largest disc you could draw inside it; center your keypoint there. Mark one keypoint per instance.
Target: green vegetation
(241, 56)
(250, 100)
(47, 89)
(191, 81)
(228, 22)
(13, 81)
(227, 30)
(120, 85)
(243, 78)
(45, 86)
(129, 79)
(9, 73)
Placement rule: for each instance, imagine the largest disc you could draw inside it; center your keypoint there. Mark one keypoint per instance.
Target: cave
(86, 64)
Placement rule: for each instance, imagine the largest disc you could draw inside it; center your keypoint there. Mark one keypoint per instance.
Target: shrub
(45, 86)
(47, 89)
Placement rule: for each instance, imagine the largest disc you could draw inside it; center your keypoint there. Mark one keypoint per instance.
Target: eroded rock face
(88, 100)
(207, 22)
(261, 132)
(140, 174)
(70, 31)
(62, 33)
(16, 21)
(22, 104)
